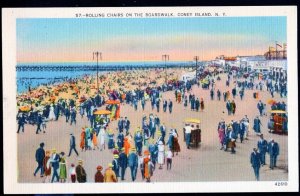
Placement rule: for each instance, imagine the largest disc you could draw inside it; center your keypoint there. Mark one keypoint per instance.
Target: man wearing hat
(99, 176)
(116, 165)
(72, 144)
(126, 124)
(120, 140)
(163, 132)
(110, 175)
(80, 172)
(273, 150)
(39, 123)
(262, 146)
(39, 157)
(170, 106)
(133, 163)
(256, 125)
(120, 125)
(138, 140)
(55, 164)
(123, 163)
(255, 162)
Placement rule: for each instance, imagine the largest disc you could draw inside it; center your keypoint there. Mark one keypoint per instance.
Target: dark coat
(80, 173)
(72, 141)
(99, 177)
(262, 146)
(55, 162)
(123, 160)
(132, 160)
(255, 159)
(40, 154)
(273, 150)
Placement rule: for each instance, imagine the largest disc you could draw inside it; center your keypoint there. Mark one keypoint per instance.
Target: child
(73, 173)
(169, 155)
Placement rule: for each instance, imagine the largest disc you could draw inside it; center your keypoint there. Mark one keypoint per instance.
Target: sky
(145, 39)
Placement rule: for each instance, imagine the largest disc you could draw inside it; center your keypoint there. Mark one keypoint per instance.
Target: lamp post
(98, 54)
(165, 57)
(196, 58)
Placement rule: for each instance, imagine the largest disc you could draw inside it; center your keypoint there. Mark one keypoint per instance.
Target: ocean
(36, 78)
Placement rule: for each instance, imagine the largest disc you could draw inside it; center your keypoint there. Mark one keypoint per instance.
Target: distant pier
(94, 67)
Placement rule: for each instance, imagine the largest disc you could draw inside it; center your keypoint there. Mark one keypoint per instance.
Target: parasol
(271, 101)
(100, 112)
(111, 102)
(25, 108)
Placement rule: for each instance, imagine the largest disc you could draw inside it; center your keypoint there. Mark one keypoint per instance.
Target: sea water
(32, 79)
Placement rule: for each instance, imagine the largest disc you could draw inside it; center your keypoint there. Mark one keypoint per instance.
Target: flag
(279, 45)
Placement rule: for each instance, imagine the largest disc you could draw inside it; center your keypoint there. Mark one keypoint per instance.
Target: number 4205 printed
(281, 183)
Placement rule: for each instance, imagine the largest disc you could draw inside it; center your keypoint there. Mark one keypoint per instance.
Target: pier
(94, 68)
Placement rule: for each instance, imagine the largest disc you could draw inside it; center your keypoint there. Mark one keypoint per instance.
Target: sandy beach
(206, 163)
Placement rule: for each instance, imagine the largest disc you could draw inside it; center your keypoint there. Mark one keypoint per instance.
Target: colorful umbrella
(100, 112)
(25, 108)
(112, 102)
(271, 102)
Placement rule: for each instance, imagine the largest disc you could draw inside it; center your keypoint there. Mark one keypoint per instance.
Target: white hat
(160, 142)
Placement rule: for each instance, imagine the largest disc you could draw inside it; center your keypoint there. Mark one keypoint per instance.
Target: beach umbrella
(278, 112)
(111, 102)
(271, 101)
(25, 108)
(104, 112)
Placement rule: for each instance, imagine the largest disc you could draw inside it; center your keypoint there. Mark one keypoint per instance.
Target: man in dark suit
(273, 150)
(39, 121)
(39, 157)
(21, 121)
(133, 163)
(255, 162)
(262, 146)
(126, 125)
(55, 165)
(123, 163)
(72, 145)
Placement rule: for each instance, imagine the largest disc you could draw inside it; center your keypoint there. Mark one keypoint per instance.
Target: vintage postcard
(160, 99)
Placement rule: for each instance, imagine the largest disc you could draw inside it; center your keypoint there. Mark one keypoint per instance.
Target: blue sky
(138, 39)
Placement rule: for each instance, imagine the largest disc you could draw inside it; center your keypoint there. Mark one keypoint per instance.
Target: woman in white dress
(51, 114)
(101, 138)
(161, 154)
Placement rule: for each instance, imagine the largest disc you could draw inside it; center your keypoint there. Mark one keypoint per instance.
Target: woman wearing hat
(80, 172)
(99, 176)
(95, 140)
(111, 142)
(82, 139)
(110, 175)
(116, 165)
(161, 154)
(126, 145)
(146, 161)
(62, 168)
(46, 164)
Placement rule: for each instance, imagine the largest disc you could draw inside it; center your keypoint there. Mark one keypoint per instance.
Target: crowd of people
(150, 144)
